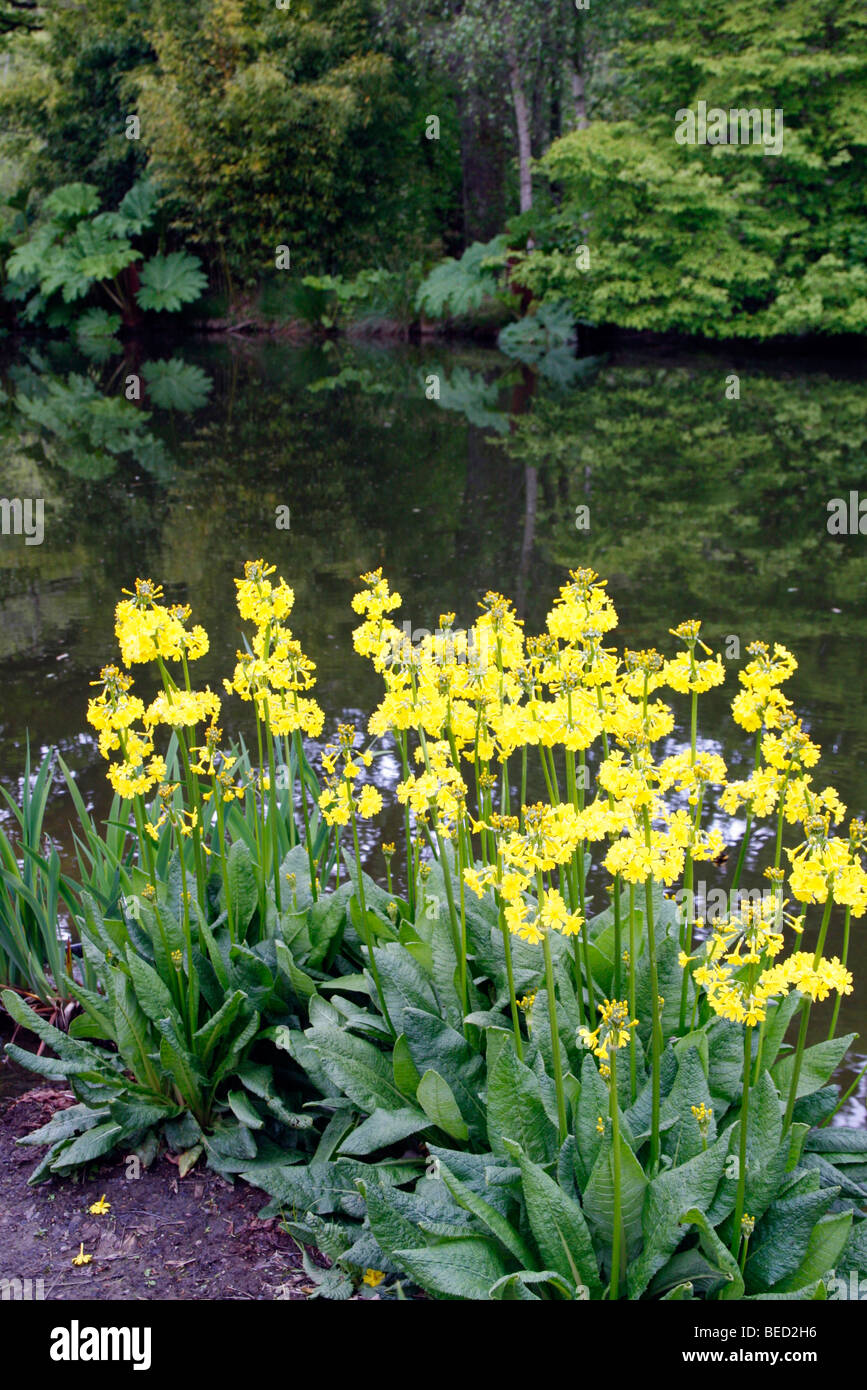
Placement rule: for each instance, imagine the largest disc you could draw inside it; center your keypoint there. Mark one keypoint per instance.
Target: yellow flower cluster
(737, 972)
(147, 630)
(761, 705)
(276, 672)
(703, 1115)
(612, 1033)
(342, 765)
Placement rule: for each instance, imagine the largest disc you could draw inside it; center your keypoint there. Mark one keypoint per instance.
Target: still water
(641, 464)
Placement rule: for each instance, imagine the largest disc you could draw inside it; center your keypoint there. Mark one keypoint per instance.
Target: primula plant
(536, 1072)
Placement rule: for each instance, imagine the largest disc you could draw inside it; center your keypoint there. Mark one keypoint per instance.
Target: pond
(457, 471)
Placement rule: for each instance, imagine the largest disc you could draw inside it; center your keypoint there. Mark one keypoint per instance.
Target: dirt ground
(164, 1238)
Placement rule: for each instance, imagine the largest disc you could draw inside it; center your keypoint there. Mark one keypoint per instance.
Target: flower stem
(299, 752)
(805, 1013)
(618, 1234)
(365, 925)
(555, 1037)
(633, 1081)
(838, 1001)
(742, 1149)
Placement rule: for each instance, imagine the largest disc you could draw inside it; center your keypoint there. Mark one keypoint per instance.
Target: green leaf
(245, 1111)
(837, 1142)
(169, 281)
(717, 1253)
(559, 1228)
(382, 1128)
(404, 983)
(725, 1060)
(206, 1039)
(459, 286)
(137, 207)
(97, 323)
(56, 1069)
(78, 1055)
(764, 1142)
(182, 1068)
(437, 1100)
(599, 1194)
(827, 1241)
(72, 201)
(516, 1110)
(303, 984)
(818, 1064)
(326, 920)
(781, 1239)
(491, 1177)
(670, 1194)
(151, 993)
(779, 1017)
(497, 1224)
(390, 1226)
(243, 886)
(592, 1103)
(682, 1139)
(176, 385)
(132, 1033)
(406, 1073)
(432, 1043)
(359, 1068)
(534, 1276)
(65, 1124)
(94, 1144)
(455, 1268)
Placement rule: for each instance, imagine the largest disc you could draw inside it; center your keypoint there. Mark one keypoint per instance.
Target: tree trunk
(578, 96)
(522, 122)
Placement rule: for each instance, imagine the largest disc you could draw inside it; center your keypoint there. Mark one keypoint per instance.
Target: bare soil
(164, 1238)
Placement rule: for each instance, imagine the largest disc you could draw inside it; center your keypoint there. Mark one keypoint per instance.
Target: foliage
(429, 1098)
(286, 127)
(178, 994)
(77, 250)
(167, 282)
(33, 957)
(719, 239)
(457, 287)
(85, 431)
(332, 301)
(510, 1211)
(176, 385)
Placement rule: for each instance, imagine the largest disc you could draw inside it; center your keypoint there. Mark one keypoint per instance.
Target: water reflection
(696, 506)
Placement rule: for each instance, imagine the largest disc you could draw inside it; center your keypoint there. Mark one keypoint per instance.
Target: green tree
(721, 239)
(283, 127)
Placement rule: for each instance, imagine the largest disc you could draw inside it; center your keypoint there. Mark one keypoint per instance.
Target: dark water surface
(698, 506)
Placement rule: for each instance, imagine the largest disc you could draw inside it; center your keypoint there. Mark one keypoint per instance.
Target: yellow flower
(373, 1277)
(703, 1115)
(81, 1258)
(100, 1208)
(369, 802)
(612, 1033)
